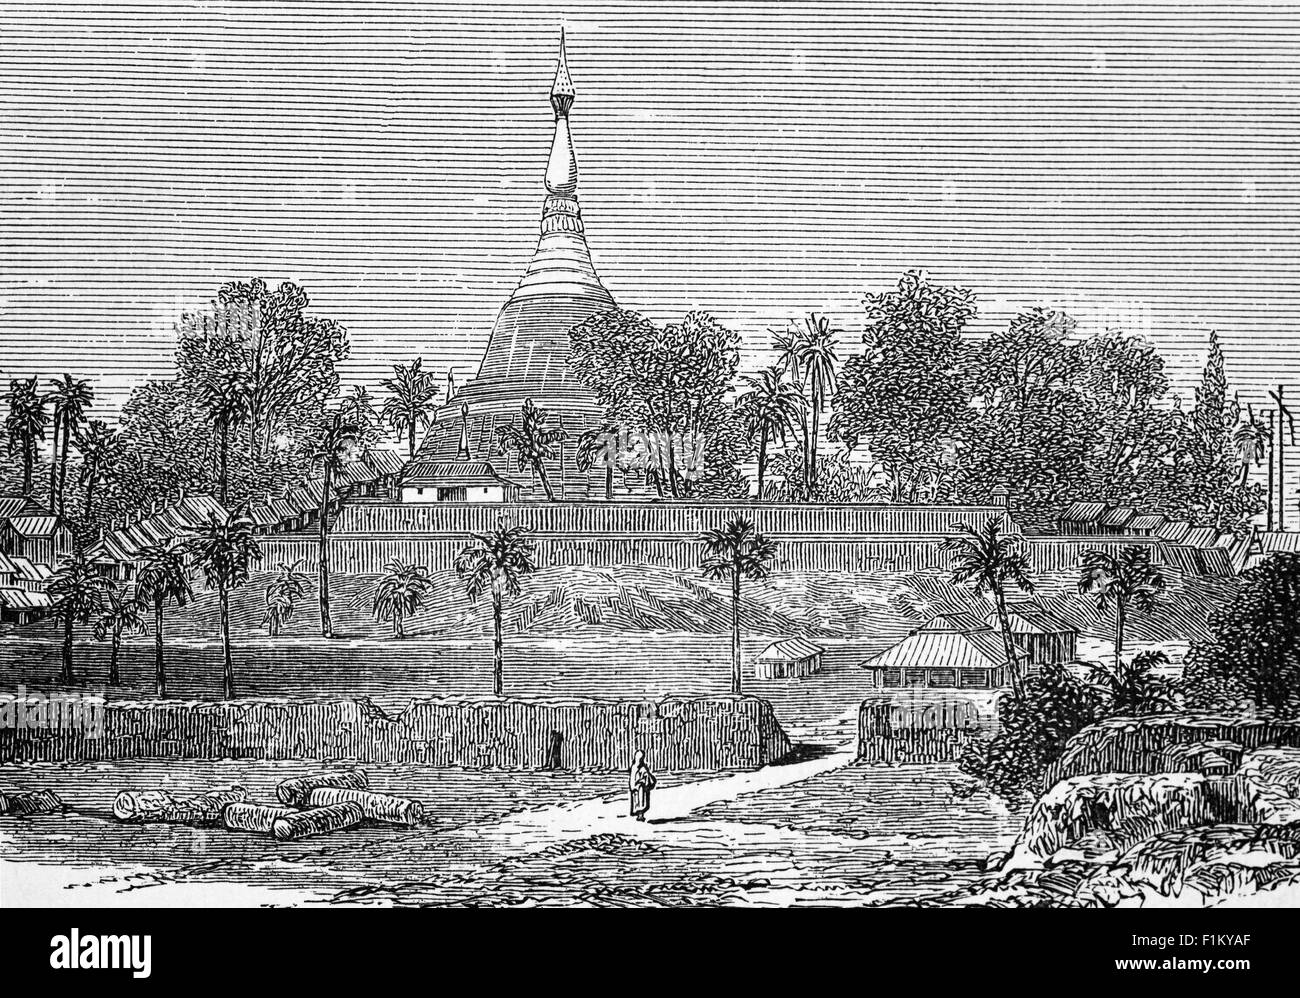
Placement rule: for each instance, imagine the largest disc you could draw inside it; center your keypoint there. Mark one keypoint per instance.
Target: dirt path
(484, 845)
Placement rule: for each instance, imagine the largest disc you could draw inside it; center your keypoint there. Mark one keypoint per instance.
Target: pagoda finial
(562, 167)
(462, 452)
(562, 93)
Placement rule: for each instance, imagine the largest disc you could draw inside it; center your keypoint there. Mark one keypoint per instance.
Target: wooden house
(791, 658)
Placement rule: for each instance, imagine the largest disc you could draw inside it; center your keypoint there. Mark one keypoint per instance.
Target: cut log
(245, 817)
(17, 802)
(294, 792)
(317, 821)
(376, 807)
(158, 805)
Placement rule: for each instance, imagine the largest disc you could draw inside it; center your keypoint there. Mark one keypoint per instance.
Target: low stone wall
(702, 733)
(1138, 745)
(920, 732)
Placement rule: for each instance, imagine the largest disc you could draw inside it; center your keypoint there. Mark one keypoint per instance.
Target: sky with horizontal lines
(1133, 164)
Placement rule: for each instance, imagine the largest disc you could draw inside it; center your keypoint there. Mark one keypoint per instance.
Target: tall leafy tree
(163, 580)
(77, 592)
(989, 561)
(496, 563)
(224, 393)
(290, 355)
(1210, 471)
(25, 423)
(224, 550)
(102, 455)
(771, 408)
(412, 400)
(402, 591)
(70, 398)
(671, 383)
(121, 614)
(905, 397)
(1031, 428)
(335, 443)
(1126, 581)
(533, 442)
(735, 552)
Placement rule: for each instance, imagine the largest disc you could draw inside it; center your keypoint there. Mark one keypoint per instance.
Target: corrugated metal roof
(11, 506)
(385, 462)
(1083, 512)
(942, 650)
(1276, 540)
(447, 473)
(1031, 620)
(1174, 531)
(1201, 537)
(35, 526)
(789, 650)
(24, 599)
(1119, 516)
(1147, 521)
(956, 623)
(32, 571)
(6, 566)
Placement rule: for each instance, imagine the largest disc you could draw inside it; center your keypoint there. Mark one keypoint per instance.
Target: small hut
(1044, 638)
(942, 659)
(788, 659)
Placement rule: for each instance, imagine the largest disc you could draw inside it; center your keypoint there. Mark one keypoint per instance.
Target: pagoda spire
(562, 167)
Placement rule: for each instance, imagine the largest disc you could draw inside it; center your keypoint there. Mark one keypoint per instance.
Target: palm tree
(225, 393)
(71, 399)
(816, 347)
(1134, 689)
(533, 442)
(101, 453)
(1251, 440)
(598, 446)
(733, 552)
(77, 592)
(359, 409)
(163, 579)
(335, 442)
(1127, 580)
(989, 562)
(224, 550)
(496, 562)
(25, 424)
(412, 400)
(282, 595)
(403, 590)
(770, 409)
(122, 614)
(790, 363)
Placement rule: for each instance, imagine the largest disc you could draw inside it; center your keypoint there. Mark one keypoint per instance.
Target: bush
(1253, 654)
(1034, 730)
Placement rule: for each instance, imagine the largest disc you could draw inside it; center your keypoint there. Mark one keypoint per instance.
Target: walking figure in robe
(640, 782)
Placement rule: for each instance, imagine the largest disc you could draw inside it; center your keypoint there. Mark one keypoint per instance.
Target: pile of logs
(309, 805)
(21, 803)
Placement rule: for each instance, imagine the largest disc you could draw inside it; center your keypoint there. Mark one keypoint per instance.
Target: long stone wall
(1138, 745)
(850, 538)
(701, 733)
(921, 731)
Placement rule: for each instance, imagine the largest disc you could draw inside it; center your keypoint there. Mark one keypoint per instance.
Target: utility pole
(1283, 412)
